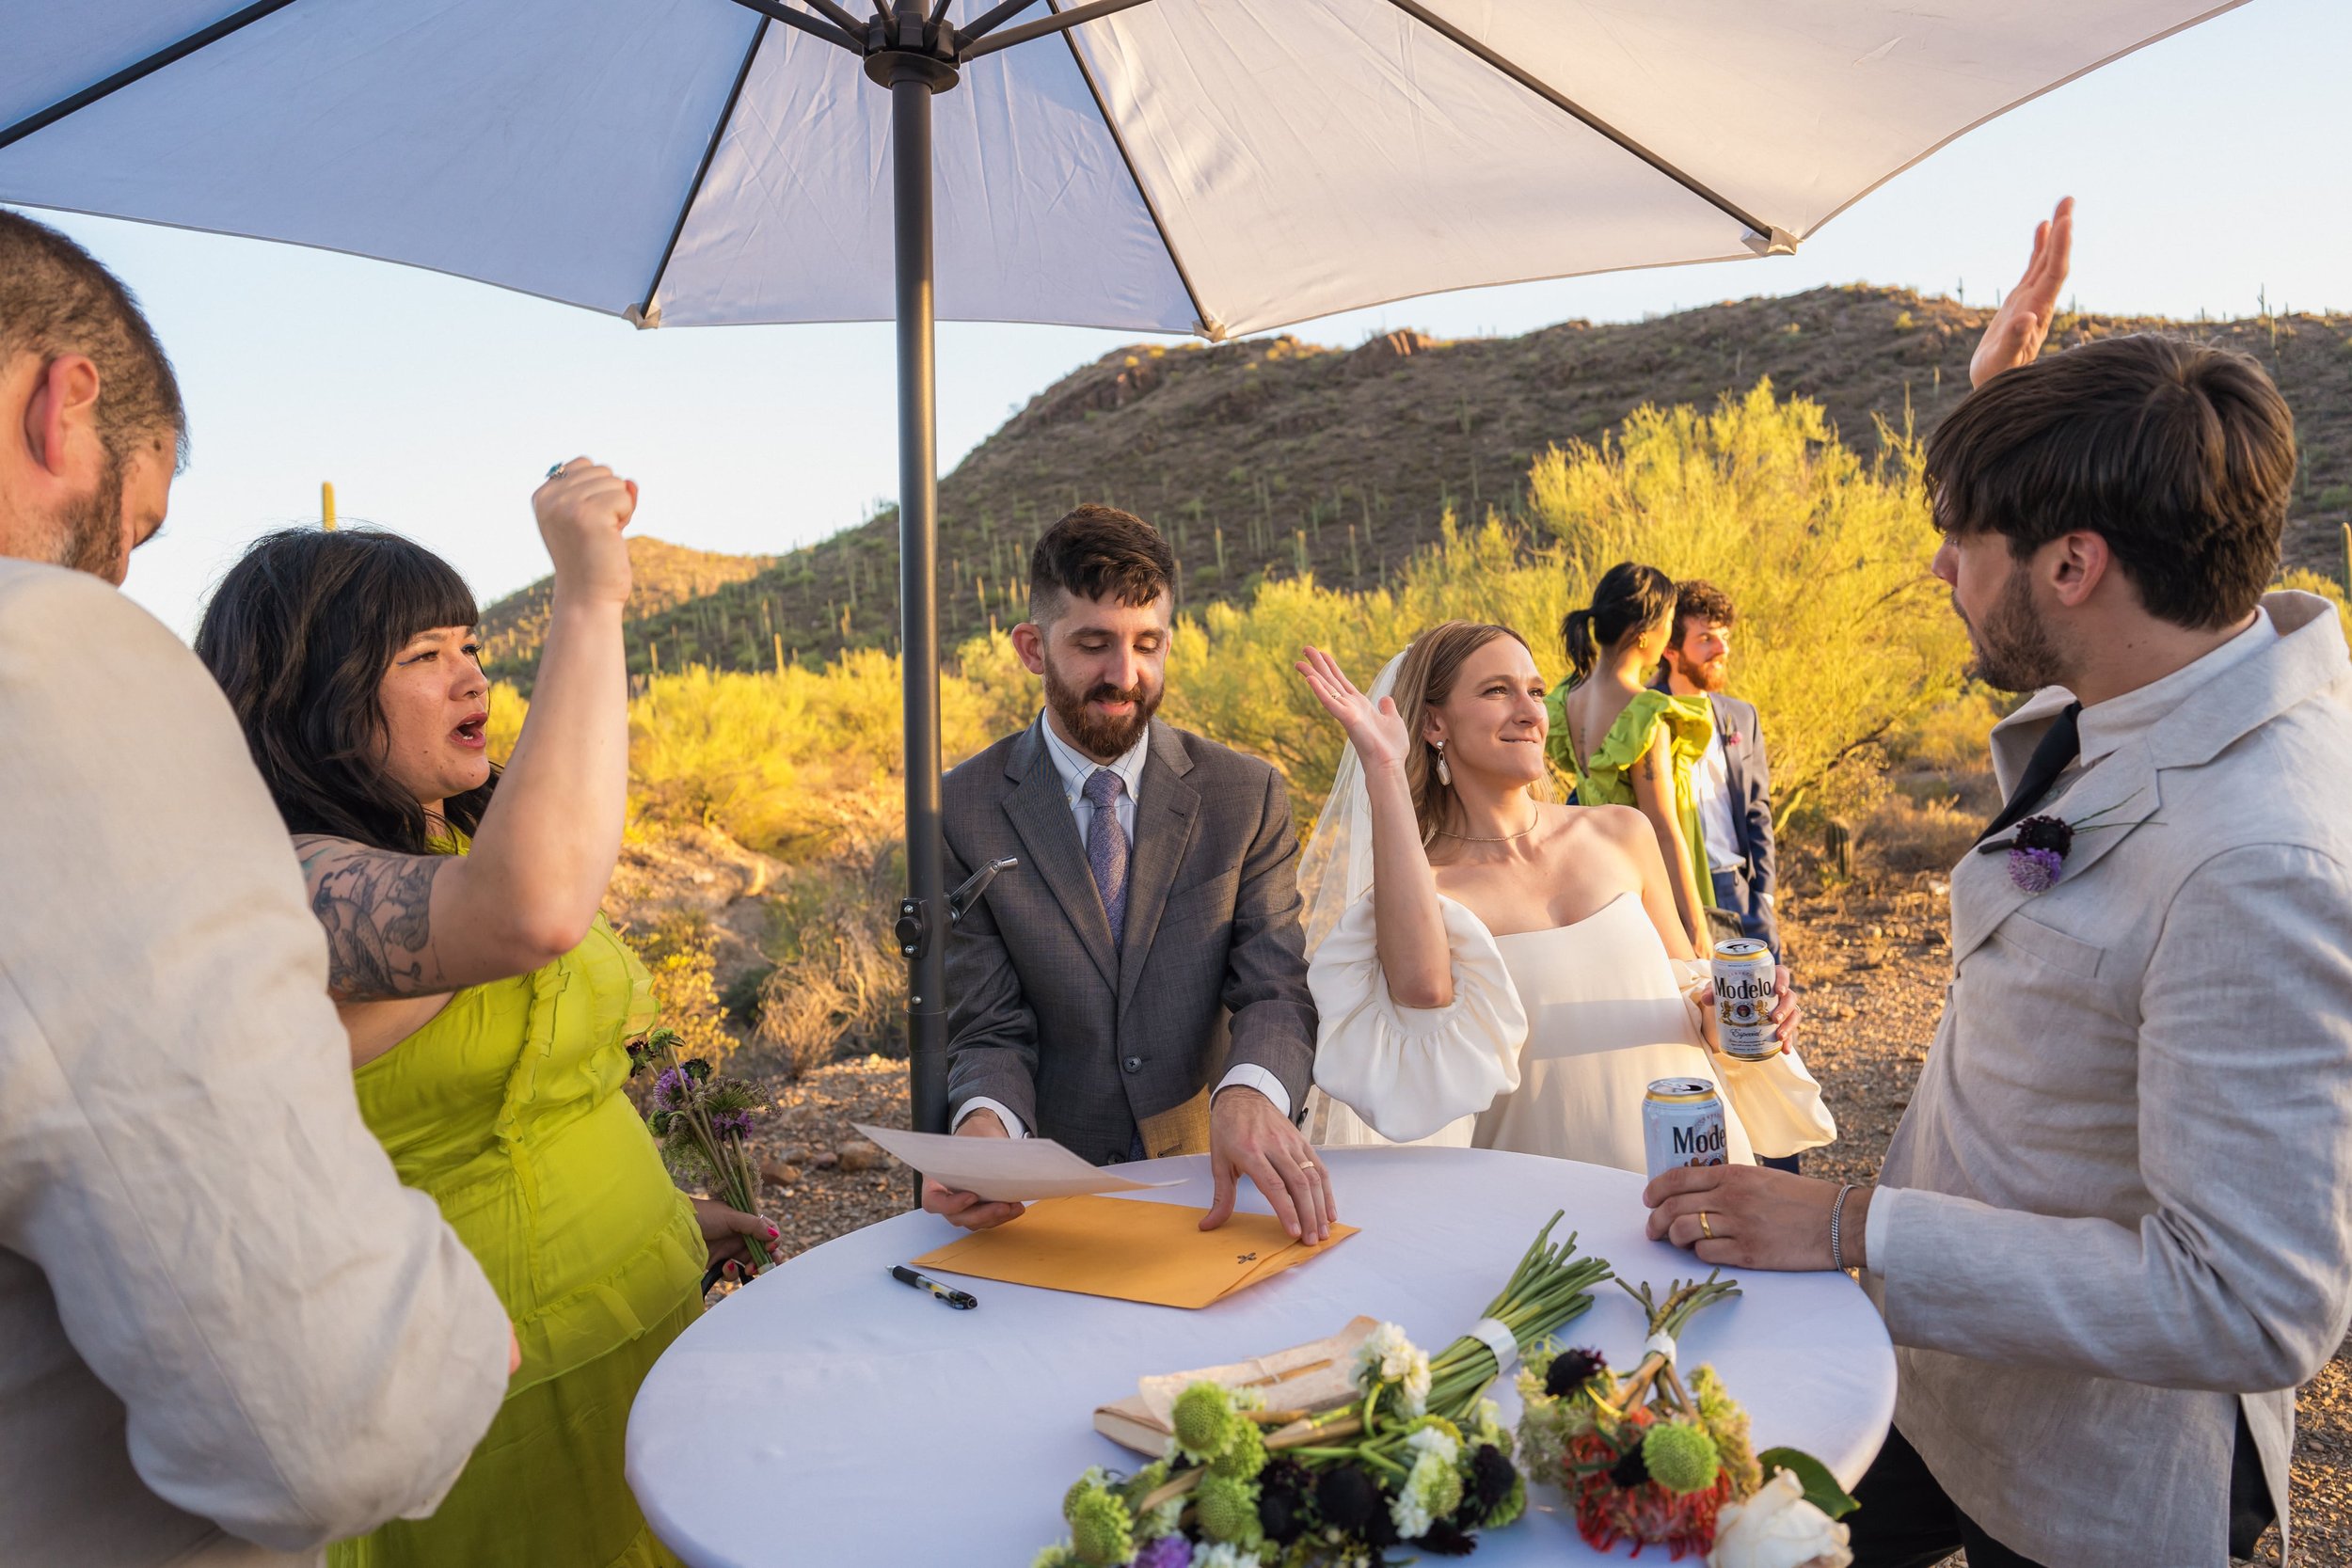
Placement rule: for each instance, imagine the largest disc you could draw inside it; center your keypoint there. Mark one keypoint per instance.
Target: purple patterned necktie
(1107, 847)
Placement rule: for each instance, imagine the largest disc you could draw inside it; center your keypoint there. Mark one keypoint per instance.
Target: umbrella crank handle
(968, 892)
(913, 929)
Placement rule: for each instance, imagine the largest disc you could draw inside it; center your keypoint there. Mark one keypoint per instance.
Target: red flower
(1647, 1514)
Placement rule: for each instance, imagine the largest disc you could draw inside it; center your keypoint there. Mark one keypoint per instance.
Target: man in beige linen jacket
(2114, 1230)
(228, 1334)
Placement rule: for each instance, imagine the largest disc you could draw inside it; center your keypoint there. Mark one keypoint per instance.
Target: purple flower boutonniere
(2037, 853)
(2036, 848)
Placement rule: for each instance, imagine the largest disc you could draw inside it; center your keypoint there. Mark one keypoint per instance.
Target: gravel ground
(1870, 955)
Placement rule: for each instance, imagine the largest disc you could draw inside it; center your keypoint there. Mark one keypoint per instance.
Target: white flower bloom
(1432, 1487)
(1222, 1554)
(1778, 1529)
(1416, 1384)
(1433, 1442)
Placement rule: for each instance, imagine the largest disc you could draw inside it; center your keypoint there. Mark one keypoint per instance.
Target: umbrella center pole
(912, 75)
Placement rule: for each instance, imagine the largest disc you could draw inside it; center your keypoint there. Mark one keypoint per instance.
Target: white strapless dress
(1547, 1048)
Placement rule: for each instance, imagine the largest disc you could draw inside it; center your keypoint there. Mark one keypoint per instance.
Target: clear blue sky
(2213, 165)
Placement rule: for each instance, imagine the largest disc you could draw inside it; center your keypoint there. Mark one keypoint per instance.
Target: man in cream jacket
(228, 1334)
(2114, 1230)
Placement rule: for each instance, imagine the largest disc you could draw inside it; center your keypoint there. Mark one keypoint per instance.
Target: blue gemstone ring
(556, 472)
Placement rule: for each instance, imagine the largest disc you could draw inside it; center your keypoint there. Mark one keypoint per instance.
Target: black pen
(961, 1300)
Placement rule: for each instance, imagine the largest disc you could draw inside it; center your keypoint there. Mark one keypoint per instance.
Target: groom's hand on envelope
(970, 1209)
(1247, 1137)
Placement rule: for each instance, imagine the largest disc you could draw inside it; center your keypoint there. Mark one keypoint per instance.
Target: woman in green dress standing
(488, 1004)
(1625, 744)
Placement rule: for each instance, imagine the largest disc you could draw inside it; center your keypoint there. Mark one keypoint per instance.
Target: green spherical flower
(1095, 1480)
(1680, 1457)
(1244, 1454)
(1227, 1508)
(1200, 1417)
(1144, 1482)
(1100, 1529)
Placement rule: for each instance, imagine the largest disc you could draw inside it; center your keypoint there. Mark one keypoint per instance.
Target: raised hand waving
(1376, 729)
(2019, 328)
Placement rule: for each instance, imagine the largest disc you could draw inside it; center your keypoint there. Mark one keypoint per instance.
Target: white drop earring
(1445, 774)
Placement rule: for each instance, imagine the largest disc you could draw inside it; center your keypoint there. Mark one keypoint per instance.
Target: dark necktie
(2061, 743)
(1107, 847)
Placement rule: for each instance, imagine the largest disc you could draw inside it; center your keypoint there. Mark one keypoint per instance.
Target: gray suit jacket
(1087, 1042)
(223, 1321)
(2119, 1204)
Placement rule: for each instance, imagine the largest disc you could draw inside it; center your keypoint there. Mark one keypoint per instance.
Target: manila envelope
(1132, 1251)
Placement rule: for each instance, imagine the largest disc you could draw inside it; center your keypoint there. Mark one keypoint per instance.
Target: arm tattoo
(376, 911)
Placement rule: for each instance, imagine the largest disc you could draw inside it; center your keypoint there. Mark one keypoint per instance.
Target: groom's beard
(1100, 735)
(2014, 651)
(89, 535)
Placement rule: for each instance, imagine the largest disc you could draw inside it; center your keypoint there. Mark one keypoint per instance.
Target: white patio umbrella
(1214, 167)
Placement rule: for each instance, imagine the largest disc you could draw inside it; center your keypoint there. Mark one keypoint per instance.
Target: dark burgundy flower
(1443, 1540)
(1630, 1470)
(1491, 1477)
(1570, 1370)
(1348, 1497)
(2045, 832)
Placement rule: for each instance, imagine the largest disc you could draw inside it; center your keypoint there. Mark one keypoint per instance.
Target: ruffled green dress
(1685, 724)
(507, 1108)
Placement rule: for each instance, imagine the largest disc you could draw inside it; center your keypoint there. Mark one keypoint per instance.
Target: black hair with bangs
(299, 635)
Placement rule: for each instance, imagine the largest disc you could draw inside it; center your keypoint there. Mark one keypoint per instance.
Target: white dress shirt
(1710, 781)
(1074, 768)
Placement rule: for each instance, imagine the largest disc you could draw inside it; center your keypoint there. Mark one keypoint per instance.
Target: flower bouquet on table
(1418, 1460)
(1650, 1459)
(701, 1120)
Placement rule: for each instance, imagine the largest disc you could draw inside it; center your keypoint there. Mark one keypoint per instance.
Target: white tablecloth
(828, 1415)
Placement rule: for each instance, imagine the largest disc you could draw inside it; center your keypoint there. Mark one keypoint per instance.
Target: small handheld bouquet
(701, 1121)
(1421, 1460)
(1651, 1460)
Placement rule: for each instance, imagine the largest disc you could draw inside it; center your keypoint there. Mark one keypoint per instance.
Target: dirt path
(1871, 958)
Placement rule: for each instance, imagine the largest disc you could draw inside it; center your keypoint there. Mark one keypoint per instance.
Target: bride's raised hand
(1376, 729)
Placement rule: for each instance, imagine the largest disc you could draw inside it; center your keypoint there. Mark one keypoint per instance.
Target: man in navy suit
(1733, 780)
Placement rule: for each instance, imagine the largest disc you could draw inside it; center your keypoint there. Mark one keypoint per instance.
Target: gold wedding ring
(1706, 1230)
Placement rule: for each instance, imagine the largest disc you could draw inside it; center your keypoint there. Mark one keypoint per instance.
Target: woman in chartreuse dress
(489, 1006)
(1627, 743)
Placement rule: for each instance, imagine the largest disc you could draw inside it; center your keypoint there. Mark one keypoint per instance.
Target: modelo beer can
(1746, 988)
(1682, 1124)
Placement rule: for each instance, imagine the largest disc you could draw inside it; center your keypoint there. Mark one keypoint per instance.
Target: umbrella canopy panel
(1205, 165)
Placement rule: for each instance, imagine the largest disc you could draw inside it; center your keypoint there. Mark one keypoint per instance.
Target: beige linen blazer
(227, 1333)
(2119, 1204)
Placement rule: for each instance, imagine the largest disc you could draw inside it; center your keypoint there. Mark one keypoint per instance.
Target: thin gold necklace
(1494, 838)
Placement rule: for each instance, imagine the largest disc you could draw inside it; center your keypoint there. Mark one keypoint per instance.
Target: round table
(827, 1413)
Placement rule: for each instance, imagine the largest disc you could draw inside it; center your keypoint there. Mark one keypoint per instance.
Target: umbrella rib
(1151, 207)
(849, 25)
(805, 22)
(645, 313)
(234, 21)
(1592, 121)
(990, 19)
(1060, 22)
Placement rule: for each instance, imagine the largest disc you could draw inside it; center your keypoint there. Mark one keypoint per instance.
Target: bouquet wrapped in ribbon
(1418, 1461)
(701, 1121)
(1655, 1460)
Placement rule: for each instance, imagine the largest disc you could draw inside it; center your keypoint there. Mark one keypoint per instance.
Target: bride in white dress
(1492, 969)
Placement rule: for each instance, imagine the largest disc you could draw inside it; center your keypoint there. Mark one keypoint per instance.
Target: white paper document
(1003, 1170)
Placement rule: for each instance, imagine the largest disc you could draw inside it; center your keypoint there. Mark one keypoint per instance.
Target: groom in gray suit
(1137, 986)
(2114, 1230)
